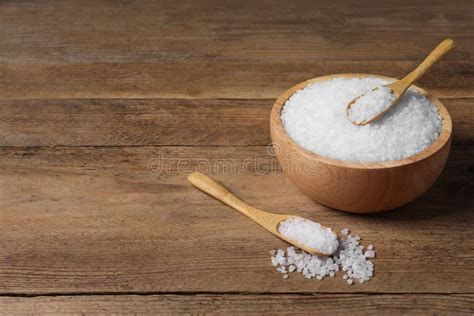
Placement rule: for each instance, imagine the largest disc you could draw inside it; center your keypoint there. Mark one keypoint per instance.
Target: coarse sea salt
(315, 118)
(350, 258)
(371, 104)
(310, 234)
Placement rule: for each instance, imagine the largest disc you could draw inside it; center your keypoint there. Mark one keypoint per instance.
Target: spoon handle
(439, 52)
(268, 220)
(214, 189)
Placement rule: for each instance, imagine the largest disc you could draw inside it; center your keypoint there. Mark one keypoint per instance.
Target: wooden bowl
(359, 187)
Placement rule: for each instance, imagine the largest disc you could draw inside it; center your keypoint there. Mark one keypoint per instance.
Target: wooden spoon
(399, 87)
(268, 220)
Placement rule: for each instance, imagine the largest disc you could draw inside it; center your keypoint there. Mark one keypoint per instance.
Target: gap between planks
(226, 293)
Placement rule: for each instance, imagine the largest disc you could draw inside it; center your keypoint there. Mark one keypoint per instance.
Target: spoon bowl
(269, 221)
(296, 243)
(397, 96)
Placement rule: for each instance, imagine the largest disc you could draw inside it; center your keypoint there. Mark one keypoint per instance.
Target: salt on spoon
(369, 107)
(302, 233)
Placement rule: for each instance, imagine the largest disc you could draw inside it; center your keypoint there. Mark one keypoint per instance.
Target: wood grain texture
(250, 304)
(120, 79)
(210, 49)
(208, 79)
(93, 220)
(122, 122)
(72, 31)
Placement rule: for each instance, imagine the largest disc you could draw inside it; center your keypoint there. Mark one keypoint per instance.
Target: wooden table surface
(106, 106)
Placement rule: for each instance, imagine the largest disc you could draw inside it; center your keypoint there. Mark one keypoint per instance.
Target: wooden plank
(122, 122)
(95, 220)
(78, 31)
(134, 122)
(243, 304)
(204, 79)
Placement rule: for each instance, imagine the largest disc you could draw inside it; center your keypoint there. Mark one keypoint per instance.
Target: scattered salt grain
(274, 261)
(370, 247)
(315, 117)
(345, 231)
(310, 234)
(371, 104)
(370, 254)
(349, 258)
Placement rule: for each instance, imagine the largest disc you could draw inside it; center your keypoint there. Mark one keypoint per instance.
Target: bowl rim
(443, 139)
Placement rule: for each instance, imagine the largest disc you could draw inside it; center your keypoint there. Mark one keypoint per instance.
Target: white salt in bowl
(353, 186)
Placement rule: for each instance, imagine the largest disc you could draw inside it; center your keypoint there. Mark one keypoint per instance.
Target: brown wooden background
(105, 106)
